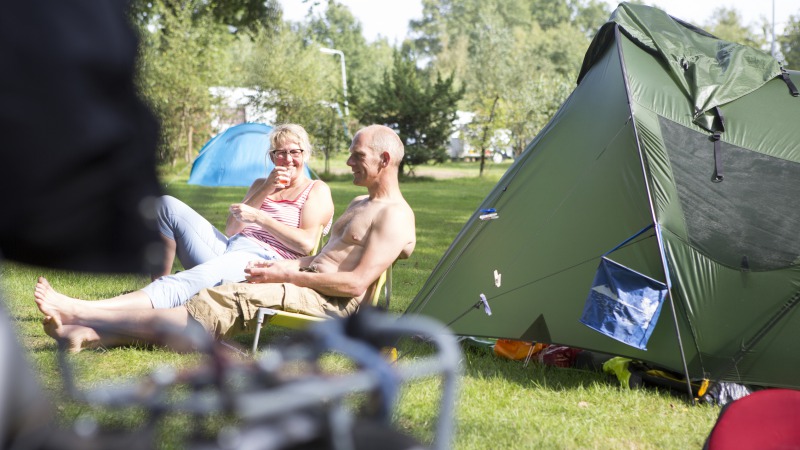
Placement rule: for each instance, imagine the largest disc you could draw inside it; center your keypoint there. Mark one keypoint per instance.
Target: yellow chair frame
(297, 321)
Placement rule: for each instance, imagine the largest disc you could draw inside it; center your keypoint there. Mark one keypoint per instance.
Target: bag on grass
(558, 356)
(516, 350)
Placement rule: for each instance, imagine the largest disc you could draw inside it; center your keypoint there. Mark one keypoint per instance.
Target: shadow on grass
(481, 363)
(27, 318)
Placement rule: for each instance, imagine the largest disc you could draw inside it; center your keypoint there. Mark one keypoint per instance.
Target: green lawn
(502, 403)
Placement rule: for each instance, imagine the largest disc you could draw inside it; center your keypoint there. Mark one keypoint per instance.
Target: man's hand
(266, 272)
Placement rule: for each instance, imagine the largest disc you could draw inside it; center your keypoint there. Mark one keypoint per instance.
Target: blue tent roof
(235, 157)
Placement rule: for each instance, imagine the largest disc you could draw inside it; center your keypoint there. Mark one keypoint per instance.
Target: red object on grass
(767, 419)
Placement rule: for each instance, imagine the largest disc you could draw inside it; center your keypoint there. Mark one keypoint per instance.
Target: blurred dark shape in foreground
(78, 145)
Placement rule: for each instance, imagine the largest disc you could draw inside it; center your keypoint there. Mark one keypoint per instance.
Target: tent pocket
(623, 304)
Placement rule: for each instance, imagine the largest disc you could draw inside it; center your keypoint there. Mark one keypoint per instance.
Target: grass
(502, 403)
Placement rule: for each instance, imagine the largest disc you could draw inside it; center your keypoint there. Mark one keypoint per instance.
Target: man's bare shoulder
(398, 208)
(396, 219)
(359, 199)
(382, 211)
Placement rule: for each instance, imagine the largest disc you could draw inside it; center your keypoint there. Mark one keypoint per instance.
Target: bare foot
(73, 338)
(54, 304)
(43, 290)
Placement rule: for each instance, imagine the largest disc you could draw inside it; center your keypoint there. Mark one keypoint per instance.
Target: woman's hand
(280, 177)
(244, 213)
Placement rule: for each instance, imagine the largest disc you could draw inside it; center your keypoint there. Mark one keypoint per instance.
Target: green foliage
(182, 54)
(550, 13)
(421, 112)
(304, 85)
(297, 81)
(538, 100)
(249, 15)
(491, 41)
(590, 15)
(515, 59)
(338, 29)
(510, 67)
(790, 42)
(726, 23)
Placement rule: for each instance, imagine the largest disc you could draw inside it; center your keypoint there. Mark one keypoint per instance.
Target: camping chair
(320, 243)
(297, 321)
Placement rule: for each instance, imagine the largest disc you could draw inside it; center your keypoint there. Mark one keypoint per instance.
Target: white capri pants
(208, 256)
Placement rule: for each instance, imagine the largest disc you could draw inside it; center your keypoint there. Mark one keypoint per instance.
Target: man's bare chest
(355, 224)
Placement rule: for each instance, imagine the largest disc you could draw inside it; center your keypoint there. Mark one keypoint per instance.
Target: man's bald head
(381, 139)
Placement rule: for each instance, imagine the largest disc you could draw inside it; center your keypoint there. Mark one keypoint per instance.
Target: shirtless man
(375, 230)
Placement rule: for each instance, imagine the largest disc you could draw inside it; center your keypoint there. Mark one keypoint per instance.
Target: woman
(280, 217)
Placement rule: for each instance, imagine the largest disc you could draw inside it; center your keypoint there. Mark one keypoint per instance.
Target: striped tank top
(286, 212)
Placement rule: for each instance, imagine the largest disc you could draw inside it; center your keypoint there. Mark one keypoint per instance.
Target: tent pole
(680, 347)
(664, 265)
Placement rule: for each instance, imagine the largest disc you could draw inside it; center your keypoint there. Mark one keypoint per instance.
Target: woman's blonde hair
(290, 132)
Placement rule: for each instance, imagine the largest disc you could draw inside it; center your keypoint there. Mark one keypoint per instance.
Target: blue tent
(235, 157)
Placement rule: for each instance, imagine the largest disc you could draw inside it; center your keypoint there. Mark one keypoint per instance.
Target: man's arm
(392, 231)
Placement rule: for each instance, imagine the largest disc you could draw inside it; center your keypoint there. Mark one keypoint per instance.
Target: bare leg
(145, 324)
(170, 248)
(74, 337)
(133, 300)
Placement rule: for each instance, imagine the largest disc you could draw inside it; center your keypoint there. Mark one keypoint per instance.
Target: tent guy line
(484, 300)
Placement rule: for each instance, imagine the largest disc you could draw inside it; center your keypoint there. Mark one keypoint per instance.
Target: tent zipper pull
(717, 163)
(717, 177)
(789, 84)
(745, 264)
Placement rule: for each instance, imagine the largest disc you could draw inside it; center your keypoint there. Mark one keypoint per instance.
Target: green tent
(669, 126)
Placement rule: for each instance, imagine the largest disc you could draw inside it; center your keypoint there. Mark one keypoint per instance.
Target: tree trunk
(177, 147)
(189, 148)
(485, 133)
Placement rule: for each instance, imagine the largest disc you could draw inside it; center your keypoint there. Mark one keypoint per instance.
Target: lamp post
(331, 51)
(773, 49)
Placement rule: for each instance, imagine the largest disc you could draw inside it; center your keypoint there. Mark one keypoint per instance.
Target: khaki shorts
(231, 309)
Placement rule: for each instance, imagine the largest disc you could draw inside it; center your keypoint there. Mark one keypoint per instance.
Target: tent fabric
(235, 157)
(625, 150)
(710, 72)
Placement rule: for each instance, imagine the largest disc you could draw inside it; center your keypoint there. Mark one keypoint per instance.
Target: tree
(535, 103)
(589, 15)
(550, 13)
(515, 58)
(337, 28)
(182, 55)
(186, 48)
(790, 43)
(421, 112)
(491, 52)
(726, 24)
(296, 80)
(249, 15)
